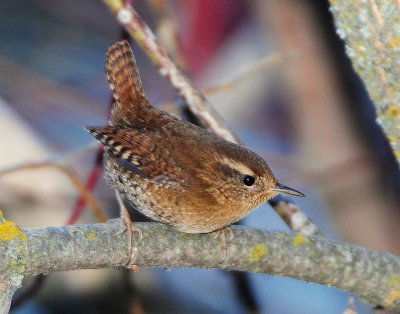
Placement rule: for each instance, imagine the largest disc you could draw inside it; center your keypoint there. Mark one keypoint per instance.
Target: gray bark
(370, 30)
(370, 275)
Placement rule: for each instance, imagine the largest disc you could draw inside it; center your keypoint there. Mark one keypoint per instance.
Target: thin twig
(72, 176)
(76, 212)
(146, 39)
(166, 29)
(90, 184)
(294, 217)
(351, 308)
(65, 160)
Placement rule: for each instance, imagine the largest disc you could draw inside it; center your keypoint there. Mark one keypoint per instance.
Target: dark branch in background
(135, 304)
(245, 292)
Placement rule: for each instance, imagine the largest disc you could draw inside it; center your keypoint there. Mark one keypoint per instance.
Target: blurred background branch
(372, 39)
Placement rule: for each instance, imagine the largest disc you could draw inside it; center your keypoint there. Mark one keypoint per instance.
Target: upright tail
(126, 86)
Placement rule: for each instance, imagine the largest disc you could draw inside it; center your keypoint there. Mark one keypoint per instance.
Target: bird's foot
(226, 235)
(130, 228)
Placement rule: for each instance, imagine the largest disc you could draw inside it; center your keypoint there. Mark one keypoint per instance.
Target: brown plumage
(171, 170)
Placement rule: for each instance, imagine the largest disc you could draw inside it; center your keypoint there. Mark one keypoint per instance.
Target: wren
(173, 171)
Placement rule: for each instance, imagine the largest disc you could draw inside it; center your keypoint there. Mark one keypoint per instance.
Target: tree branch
(370, 275)
(370, 31)
(13, 254)
(8, 285)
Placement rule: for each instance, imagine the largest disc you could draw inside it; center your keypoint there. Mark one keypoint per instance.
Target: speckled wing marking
(126, 86)
(138, 146)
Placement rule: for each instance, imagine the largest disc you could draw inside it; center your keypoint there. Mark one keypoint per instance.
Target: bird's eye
(248, 180)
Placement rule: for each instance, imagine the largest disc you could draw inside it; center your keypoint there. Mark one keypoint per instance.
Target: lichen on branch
(13, 260)
(373, 276)
(370, 30)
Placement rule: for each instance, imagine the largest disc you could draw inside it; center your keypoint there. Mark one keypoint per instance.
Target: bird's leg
(225, 235)
(130, 228)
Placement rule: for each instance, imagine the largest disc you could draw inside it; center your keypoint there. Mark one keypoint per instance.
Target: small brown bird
(173, 171)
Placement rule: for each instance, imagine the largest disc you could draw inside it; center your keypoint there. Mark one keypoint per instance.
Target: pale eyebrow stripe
(237, 165)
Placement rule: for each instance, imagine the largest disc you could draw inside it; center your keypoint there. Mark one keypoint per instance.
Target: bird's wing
(137, 149)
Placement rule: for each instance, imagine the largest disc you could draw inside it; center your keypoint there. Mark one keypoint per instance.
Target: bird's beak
(280, 188)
